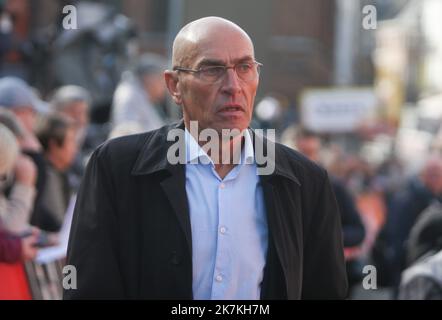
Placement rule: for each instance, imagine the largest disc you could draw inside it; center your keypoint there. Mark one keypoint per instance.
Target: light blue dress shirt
(228, 223)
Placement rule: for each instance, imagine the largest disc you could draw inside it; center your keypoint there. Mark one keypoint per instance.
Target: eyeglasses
(246, 71)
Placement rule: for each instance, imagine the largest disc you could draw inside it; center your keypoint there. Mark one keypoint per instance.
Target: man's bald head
(206, 44)
(185, 45)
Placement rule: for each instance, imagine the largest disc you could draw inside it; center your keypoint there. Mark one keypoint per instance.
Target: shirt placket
(221, 273)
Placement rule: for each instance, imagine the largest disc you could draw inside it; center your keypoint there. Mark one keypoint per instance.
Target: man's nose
(231, 83)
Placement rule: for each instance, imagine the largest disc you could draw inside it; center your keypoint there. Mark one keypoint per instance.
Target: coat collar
(153, 155)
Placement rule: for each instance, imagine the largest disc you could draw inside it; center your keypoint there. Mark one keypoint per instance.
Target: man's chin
(231, 128)
(228, 125)
(233, 124)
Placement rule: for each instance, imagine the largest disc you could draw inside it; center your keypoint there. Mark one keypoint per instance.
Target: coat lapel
(277, 276)
(174, 187)
(152, 160)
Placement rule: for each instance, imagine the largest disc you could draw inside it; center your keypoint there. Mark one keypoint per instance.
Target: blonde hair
(8, 150)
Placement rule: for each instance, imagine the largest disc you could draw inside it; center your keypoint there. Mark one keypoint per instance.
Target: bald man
(162, 218)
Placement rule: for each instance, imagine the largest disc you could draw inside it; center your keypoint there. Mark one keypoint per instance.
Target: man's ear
(172, 83)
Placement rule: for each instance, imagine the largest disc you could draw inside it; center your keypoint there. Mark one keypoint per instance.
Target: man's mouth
(231, 109)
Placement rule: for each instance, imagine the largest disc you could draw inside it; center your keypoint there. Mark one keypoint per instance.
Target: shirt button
(222, 185)
(222, 230)
(219, 278)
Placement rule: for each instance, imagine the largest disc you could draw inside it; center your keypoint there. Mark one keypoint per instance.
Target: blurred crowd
(391, 217)
(53, 140)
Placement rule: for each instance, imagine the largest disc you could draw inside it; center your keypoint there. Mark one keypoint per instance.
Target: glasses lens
(212, 74)
(247, 71)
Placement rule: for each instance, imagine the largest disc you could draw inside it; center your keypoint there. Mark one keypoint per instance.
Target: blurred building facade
(302, 44)
(294, 39)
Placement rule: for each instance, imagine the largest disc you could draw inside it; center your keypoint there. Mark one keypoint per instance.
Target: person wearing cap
(74, 102)
(18, 98)
(138, 96)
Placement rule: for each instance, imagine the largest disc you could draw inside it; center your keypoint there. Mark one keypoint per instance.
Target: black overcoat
(131, 234)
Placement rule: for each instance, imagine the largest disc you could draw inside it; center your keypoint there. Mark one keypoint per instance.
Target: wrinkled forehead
(225, 48)
(215, 42)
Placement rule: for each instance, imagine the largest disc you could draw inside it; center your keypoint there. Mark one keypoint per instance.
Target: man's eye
(244, 67)
(213, 71)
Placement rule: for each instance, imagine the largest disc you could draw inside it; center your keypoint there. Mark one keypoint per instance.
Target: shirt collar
(249, 152)
(194, 150)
